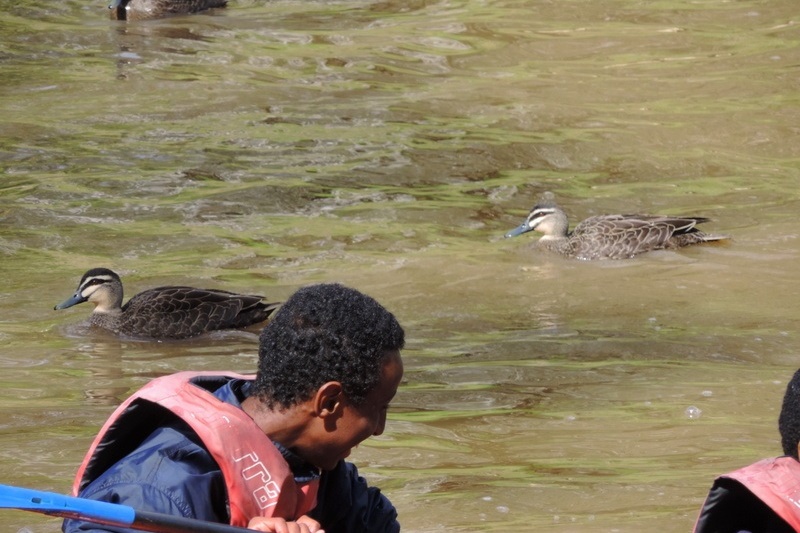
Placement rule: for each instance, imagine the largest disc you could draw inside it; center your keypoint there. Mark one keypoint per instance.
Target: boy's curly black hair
(323, 333)
(789, 419)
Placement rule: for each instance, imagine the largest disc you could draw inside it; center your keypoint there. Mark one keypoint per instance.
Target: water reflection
(111, 366)
(141, 43)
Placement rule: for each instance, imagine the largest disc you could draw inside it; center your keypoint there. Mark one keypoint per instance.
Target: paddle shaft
(163, 523)
(105, 513)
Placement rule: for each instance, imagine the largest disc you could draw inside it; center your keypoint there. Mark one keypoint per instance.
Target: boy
(265, 453)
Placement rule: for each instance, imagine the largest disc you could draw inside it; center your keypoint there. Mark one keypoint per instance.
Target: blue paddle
(111, 514)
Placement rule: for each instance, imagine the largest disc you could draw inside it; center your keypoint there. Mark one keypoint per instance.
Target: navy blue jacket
(171, 472)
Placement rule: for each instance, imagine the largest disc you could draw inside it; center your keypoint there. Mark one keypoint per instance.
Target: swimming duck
(611, 236)
(148, 9)
(165, 312)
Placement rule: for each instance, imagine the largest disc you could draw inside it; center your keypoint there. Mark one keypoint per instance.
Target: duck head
(545, 218)
(99, 286)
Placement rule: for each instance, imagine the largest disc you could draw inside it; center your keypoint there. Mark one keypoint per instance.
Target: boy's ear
(329, 399)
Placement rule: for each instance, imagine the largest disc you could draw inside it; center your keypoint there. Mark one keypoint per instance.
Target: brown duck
(611, 236)
(148, 9)
(165, 312)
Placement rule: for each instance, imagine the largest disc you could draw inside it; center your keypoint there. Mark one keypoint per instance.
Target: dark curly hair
(789, 419)
(324, 333)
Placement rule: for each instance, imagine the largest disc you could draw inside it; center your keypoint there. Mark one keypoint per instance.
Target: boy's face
(357, 423)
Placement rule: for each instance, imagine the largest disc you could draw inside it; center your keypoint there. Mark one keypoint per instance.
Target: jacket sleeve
(169, 473)
(345, 504)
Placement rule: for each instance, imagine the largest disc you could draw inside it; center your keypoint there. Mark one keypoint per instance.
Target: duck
(611, 236)
(148, 9)
(170, 312)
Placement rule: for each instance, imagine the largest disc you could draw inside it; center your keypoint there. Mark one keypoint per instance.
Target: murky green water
(390, 145)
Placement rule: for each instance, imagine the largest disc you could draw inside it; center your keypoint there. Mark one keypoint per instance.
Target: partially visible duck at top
(610, 236)
(149, 9)
(172, 312)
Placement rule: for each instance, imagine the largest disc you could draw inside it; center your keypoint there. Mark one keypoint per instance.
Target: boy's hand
(304, 524)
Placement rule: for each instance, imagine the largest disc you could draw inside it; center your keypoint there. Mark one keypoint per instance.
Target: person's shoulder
(171, 472)
(169, 453)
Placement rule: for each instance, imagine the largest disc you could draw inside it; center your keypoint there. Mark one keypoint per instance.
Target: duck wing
(624, 236)
(180, 312)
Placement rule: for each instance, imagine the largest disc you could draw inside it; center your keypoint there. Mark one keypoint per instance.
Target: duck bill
(75, 299)
(114, 4)
(519, 230)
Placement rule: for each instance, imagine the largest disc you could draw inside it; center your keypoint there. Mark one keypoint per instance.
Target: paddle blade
(65, 506)
(98, 512)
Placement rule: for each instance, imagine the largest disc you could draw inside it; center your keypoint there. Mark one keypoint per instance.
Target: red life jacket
(256, 475)
(775, 482)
